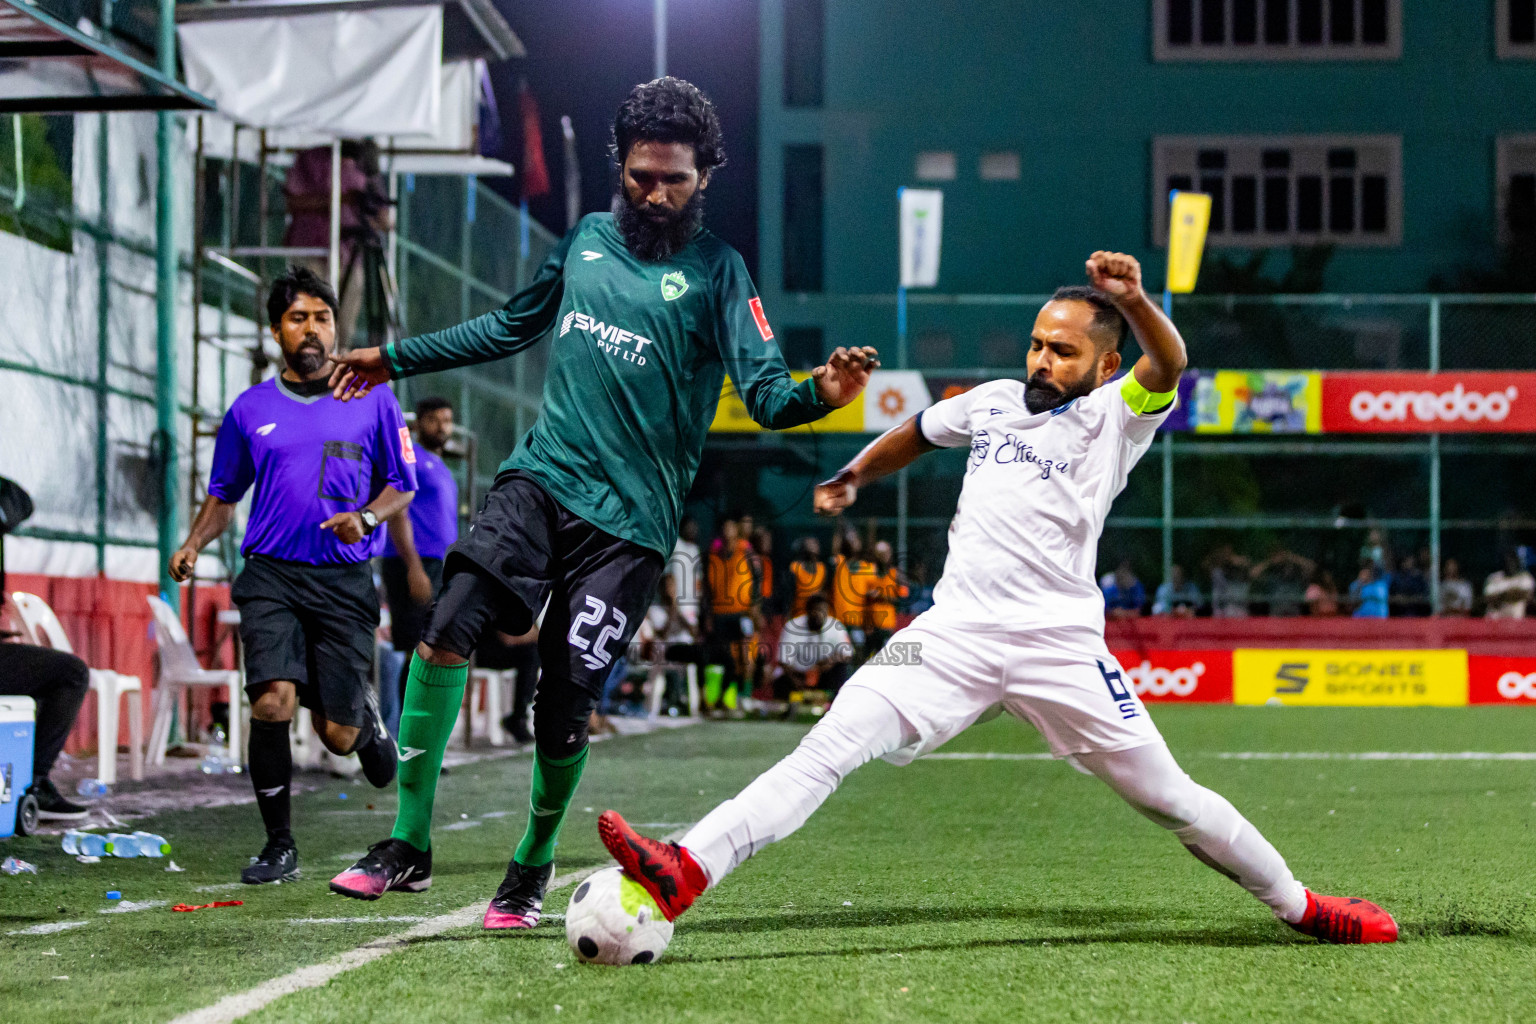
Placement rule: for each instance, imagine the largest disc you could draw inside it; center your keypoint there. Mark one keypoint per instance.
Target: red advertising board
(1190, 677)
(1494, 680)
(1422, 403)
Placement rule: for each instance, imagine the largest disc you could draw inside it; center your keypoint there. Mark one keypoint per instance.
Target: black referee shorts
(525, 548)
(312, 625)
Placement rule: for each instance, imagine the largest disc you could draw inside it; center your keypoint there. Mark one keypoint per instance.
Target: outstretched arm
(893, 450)
(525, 319)
(1162, 349)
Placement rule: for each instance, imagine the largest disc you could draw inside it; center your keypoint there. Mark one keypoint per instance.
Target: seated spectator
(1282, 580)
(1177, 596)
(1369, 593)
(1123, 593)
(1229, 583)
(1509, 590)
(1455, 592)
(1409, 590)
(814, 651)
(1322, 595)
(57, 682)
(808, 573)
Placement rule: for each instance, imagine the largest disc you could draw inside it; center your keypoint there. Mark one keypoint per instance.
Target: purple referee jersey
(434, 511)
(310, 457)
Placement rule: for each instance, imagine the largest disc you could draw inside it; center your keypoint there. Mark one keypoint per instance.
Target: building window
(804, 47)
(1278, 29)
(934, 165)
(802, 218)
(1515, 29)
(1291, 190)
(1002, 166)
(1517, 187)
(803, 347)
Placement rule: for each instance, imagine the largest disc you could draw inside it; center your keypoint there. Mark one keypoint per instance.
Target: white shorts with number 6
(1062, 680)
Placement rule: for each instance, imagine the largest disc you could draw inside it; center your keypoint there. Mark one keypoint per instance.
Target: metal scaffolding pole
(165, 313)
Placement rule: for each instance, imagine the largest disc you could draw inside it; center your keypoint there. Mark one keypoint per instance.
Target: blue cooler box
(17, 725)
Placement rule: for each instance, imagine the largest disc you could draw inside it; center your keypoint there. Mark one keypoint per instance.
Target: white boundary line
(233, 1007)
(1280, 755)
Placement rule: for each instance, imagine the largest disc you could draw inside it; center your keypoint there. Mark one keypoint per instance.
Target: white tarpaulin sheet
(344, 73)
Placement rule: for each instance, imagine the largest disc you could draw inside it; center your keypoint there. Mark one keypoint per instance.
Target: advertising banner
(1501, 680)
(1422, 403)
(1257, 402)
(891, 397)
(1189, 216)
(1188, 677)
(1350, 678)
(922, 229)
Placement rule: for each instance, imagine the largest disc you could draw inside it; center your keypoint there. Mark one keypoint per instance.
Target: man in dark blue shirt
(412, 564)
(325, 474)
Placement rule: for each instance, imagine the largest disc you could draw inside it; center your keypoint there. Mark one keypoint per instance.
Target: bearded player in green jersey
(650, 312)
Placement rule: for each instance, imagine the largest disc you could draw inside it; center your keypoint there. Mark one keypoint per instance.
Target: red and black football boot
(1345, 920)
(667, 871)
(519, 901)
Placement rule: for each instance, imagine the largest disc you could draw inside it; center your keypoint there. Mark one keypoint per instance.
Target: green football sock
(554, 783)
(433, 695)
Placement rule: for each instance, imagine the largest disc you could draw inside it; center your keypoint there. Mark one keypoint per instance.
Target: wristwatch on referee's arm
(370, 520)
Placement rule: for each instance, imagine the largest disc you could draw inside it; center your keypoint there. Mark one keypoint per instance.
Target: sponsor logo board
(1418, 403)
(1365, 678)
(1191, 677)
(1497, 680)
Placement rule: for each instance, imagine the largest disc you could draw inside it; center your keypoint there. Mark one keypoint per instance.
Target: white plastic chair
(656, 684)
(486, 688)
(179, 669)
(41, 626)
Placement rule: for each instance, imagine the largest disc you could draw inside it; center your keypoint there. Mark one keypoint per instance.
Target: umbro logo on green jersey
(587, 255)
(673, 285)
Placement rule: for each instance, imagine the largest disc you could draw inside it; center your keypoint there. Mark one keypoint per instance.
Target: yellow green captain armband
(1143, 401)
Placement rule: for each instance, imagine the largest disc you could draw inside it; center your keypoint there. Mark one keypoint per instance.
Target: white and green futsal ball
(613, 920)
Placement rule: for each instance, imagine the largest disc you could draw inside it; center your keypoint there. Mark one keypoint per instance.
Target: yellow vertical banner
(1188, 218)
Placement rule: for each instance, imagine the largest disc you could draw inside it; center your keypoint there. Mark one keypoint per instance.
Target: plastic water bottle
(86, 844)
(92, 788)
(151, 845)
(122, 844)
(217, 760)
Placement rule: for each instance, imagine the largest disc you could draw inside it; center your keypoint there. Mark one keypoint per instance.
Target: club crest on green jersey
(673, 285)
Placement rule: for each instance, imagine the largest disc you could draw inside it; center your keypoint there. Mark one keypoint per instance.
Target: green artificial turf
(951, 890)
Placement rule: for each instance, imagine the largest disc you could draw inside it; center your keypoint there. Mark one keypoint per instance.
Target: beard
(662, 236)
(1042, 396)
(308, 359)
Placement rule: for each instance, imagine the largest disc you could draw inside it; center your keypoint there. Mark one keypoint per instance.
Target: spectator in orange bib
(885, 588)
(732, 602)
(849, 583)
(809, 573)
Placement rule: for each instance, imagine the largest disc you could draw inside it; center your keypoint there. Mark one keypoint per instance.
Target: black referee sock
(272, 775)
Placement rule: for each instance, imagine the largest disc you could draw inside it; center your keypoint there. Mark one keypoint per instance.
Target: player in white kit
(1018, 620)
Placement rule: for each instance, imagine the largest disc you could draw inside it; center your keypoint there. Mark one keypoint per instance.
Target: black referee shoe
(277, 862)
(378, 757)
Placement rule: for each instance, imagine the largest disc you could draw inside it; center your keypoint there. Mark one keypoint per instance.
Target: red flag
(535, 173)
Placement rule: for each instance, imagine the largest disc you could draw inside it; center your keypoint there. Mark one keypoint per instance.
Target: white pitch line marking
(1281, 755)
(357, 920)
(224, 886)
(460, 826)
(49, 928)
(1381, 755)
(233, 1007)
(129, 907)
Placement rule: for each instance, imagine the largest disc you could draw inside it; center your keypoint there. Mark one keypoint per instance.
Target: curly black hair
(296, 281)
(669, 110)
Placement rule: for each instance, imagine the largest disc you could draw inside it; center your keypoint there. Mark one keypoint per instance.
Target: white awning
(347, 73)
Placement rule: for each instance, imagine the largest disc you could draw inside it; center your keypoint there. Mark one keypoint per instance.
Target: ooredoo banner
(1493, 680)
(1422, 403)
(1188, 677)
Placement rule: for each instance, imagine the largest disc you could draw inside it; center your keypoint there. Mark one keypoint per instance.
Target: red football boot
(667, 871)
(1345, 920)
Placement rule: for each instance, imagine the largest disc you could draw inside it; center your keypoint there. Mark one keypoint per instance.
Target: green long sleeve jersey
(640, 353)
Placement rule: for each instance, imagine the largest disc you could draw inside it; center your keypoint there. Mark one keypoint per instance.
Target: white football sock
(1151, 781)
(861, 725)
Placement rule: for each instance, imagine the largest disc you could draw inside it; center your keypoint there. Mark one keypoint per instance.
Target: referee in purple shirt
(325, 475)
